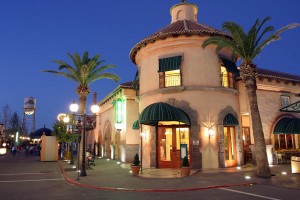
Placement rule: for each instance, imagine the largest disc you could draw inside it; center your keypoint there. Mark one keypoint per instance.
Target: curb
(145, 190)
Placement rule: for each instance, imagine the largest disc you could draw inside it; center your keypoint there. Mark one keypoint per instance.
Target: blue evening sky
(33, 33)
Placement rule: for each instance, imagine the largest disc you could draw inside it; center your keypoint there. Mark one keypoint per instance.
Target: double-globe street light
(74, 108)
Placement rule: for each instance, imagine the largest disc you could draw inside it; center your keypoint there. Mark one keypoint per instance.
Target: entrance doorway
(230, 146)
(173, 145)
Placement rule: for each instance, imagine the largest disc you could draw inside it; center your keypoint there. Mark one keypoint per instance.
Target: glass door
(230, 146)
(173, 143)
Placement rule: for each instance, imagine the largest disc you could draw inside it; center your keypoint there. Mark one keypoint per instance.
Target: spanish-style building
(190, 101)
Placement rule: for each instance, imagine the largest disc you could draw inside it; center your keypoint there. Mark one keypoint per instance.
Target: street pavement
(24, 176)
(111, 175)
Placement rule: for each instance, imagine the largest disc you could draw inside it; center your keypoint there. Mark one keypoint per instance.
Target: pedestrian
(14, 150)
(27, 149)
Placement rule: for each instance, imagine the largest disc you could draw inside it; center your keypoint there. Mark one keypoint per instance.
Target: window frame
(285, 98)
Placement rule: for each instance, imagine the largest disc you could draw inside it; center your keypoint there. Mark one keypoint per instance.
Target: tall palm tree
(85, 71)
(247, 46)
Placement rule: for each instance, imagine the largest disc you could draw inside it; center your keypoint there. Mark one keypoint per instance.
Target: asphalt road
(25, 177)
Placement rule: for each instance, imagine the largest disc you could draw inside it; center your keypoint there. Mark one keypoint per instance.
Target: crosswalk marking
(249, 194)
(17, 174)
(35, 180)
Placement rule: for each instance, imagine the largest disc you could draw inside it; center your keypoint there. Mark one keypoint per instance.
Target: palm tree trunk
(82, 106)
(263, 169)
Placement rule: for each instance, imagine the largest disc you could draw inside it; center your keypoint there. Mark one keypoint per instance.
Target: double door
(171, 143)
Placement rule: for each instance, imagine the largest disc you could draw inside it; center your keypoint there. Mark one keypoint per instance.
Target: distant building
(191, 102)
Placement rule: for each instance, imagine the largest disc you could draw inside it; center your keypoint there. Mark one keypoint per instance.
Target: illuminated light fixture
(74, 107)
(95, 108)
(238, 167)
(130, 172)
(74, 167)
(283, 173)
(211, 132)
(66, 119)
(247, 177)
(4, 144)
(119, 126)
(119, 111)
(61, 116)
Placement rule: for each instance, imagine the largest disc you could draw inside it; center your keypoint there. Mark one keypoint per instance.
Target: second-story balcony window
(228, 73)
(169, 71)
(172, 78)
(227, 78)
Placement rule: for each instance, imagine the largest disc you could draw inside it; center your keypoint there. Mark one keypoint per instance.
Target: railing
(228, 80)
(172, 80)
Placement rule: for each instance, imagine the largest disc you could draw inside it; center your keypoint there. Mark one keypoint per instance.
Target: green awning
(230, 66)
(136, 125)
(160, 111)
(230, 120)
(287, 126)
(169, 64)
(295, 107)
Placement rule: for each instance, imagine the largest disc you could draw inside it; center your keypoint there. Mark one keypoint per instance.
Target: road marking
(27, 173)
(37, 180)
(249, 194)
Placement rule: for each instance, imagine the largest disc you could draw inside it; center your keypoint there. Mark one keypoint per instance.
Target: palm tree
(247, 46)
(85, 71)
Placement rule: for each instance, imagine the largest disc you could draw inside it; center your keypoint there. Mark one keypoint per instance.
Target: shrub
(185, 162)
(136, 160)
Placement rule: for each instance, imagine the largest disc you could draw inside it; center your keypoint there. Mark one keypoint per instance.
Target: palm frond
(221, 43)
(272, 38)
(69, 76)
(110, 76)
(78, 62)
(85, 57)
(265, 31)
(237, 33)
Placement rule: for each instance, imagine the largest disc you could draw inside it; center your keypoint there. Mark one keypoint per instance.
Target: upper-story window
(285, 101)
(228, 73)
(169, 71)
(226, 78)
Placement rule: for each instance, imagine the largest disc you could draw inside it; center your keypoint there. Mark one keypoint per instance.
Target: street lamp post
(94, 109)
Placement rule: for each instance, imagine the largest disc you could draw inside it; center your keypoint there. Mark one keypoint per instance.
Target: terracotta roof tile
(180, 27)
(128, 85)
(279, 75)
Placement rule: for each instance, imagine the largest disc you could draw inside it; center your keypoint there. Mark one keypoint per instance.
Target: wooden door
(168, 153)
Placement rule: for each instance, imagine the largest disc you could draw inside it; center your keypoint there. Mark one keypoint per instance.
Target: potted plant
(185, 167)
(135, 166)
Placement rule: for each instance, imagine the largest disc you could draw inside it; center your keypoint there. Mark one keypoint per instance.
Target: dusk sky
(33, 33)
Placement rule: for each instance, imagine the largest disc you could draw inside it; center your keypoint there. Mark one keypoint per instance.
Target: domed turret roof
(184, 22)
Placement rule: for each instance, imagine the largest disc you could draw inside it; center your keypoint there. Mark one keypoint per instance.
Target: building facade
(191, 102)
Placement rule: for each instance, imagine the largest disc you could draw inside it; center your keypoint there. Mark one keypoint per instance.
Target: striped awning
(160, 111)
(136, 125)
(230, 120)
(230, 66)
(287, 125)
(169, 64)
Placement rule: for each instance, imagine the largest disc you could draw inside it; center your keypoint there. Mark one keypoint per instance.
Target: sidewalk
(110, 175)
